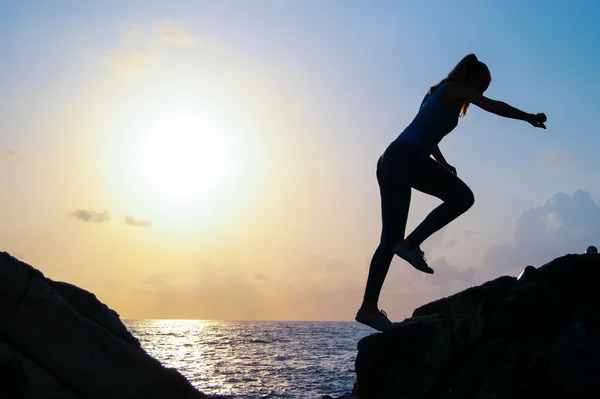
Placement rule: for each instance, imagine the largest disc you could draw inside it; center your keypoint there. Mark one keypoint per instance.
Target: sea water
(250, 359)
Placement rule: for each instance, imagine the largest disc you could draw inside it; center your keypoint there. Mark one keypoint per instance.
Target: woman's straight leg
(395, 203)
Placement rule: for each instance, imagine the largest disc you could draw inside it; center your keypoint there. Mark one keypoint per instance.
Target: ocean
(249, 359)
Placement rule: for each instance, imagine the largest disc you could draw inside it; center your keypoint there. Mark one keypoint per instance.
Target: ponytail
(462, 72)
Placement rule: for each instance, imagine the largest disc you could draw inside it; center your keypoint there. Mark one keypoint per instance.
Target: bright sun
(183, 156)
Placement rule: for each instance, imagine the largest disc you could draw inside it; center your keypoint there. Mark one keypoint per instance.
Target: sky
(216, 159)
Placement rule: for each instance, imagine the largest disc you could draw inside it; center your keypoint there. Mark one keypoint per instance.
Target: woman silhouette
(406, 164)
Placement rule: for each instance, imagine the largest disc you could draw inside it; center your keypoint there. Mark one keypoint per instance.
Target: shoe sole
(369, 325)
(425, 269)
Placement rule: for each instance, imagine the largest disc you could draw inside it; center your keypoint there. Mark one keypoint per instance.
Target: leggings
(402, 167)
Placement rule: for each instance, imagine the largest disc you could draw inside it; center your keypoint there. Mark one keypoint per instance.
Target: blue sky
(319, 90)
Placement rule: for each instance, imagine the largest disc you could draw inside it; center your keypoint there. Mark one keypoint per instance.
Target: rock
(13, 381)
(87, 305)
(36, 382)
(575, 360)
(58, 341)
(346, 396)
(354, 390)
(430, 342)
(527, 274)
(591, 250)
(13, 282)
(534, 337)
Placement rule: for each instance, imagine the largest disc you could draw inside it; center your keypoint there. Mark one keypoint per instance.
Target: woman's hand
(537, 120)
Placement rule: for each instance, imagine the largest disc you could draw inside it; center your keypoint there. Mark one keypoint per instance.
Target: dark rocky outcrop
(348, 395)
(59, 341)
(536, 337)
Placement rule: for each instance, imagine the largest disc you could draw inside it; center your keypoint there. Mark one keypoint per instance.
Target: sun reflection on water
(256, 359)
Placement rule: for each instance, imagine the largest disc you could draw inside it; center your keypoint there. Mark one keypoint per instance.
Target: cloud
(406, 288)
(318, 272)
(9, 152)
(446, 280)
(434, 241)
(471, 233)
(131, 221)
(437, 241)
(554, 157)
(317, 287)
(261, 277)
(130, 61)
(141, 46)
(444, 272)
(451, 243)
(562, 224)
(89, 216)
(158, 279)
(172, 32)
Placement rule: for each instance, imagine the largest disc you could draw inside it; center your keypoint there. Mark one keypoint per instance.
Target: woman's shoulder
(443, 83)
(439, 90)
(448, 92)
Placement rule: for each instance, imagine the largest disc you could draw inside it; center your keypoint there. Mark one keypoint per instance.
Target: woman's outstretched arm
(467, 93)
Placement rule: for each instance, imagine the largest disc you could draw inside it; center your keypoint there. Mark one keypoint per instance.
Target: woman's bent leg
(434, 179)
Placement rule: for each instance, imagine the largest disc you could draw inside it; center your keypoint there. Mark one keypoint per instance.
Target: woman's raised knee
(467, 199)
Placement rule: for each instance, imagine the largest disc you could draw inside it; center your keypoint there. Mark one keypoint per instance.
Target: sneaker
(377, 320)
(415, 257)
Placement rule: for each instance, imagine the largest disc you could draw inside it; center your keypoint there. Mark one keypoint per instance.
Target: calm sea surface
(256, 359)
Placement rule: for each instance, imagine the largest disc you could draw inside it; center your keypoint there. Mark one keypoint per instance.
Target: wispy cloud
(451, 243)
(173, 32)
(261, 277)
(90, 216)
(9, 152)
(437, 240)
(130, 61)
(322, 287)
(158, 279)
(554, 157)
(131, 221)
(141, 46)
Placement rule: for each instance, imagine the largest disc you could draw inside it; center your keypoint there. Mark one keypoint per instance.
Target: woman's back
(434, 120)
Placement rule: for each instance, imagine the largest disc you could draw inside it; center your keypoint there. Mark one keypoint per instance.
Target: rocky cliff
(59, 341)
(533, 337)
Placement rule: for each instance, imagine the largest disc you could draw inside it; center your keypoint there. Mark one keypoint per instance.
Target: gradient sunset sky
(216, 159)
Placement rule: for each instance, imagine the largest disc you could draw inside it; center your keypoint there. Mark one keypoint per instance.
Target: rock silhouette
(536, 337)
(59, 341)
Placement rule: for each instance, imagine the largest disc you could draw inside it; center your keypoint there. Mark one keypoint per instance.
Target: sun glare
(183, 156)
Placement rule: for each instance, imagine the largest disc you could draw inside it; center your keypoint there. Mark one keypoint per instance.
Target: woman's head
(469, 71)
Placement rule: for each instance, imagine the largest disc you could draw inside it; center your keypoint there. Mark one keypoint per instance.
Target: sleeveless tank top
(434, 120)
